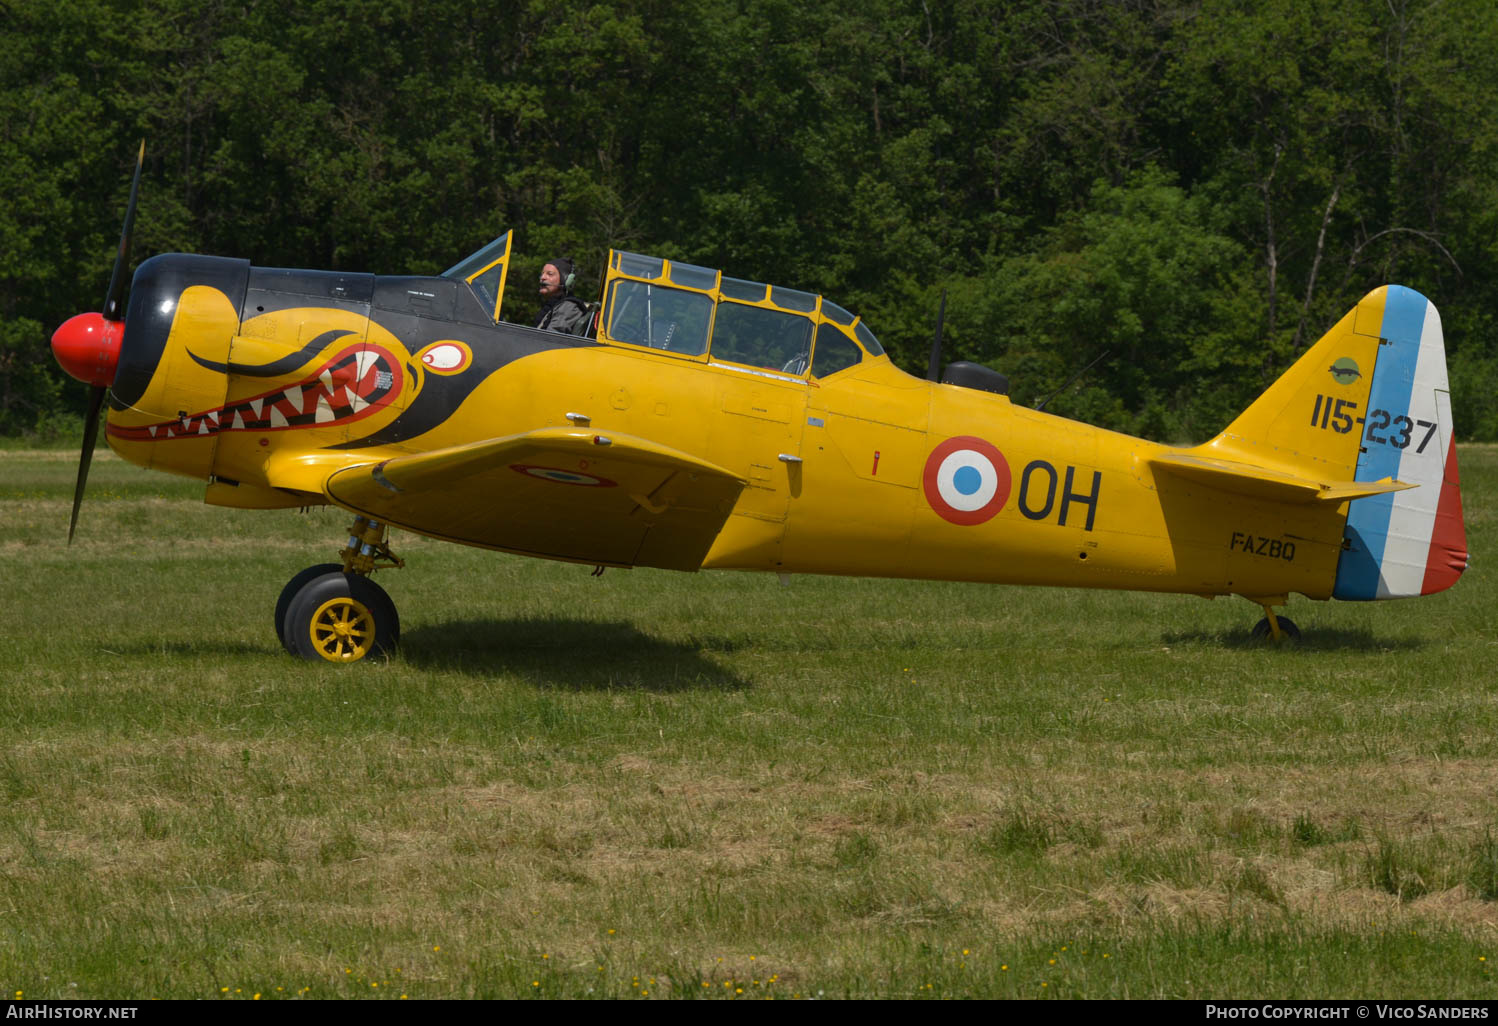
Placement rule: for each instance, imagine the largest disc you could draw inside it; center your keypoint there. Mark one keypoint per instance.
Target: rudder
(1413, 542)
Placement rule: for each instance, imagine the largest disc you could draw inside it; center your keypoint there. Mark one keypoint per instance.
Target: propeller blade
(114, 299)
(90, 437)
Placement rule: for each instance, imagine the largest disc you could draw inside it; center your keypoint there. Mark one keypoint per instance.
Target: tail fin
(1370, 401)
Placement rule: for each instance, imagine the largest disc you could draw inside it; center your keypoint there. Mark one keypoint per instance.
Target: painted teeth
(203, 426)
(277, 418)
(238, 424)
(212, 417)
(357, 401)
(255, 405)
(152, 429)
(324, 413)
(326, 377)
(363, 360)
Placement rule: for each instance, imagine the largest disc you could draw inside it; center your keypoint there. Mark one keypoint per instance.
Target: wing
(561, 493)
(1262, 483)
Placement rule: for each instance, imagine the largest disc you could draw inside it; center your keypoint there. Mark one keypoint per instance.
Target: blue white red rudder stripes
(1410, 542)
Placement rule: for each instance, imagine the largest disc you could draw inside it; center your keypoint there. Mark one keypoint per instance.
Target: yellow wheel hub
(343, 630)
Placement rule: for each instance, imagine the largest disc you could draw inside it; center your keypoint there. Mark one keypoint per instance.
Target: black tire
(342, 618)
(1288, 630)
(288, 593)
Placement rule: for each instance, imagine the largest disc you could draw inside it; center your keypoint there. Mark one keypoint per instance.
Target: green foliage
(1197, 188)
(1140, 281)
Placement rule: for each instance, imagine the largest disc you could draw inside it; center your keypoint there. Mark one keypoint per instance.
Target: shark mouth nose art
(346, 388)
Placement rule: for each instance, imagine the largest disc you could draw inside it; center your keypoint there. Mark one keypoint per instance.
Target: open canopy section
(485, 272)
(699, 313)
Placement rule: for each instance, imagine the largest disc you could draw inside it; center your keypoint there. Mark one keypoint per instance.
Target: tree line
(1188, 192)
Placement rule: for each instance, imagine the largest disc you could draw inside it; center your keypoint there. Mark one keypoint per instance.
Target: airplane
(706, 421)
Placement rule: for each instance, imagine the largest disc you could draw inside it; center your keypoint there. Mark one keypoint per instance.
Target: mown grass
(714, 786)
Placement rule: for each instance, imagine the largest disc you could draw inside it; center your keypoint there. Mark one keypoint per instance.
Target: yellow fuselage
(838, 470)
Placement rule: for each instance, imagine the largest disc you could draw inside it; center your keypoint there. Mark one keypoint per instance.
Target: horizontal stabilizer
(1273, 485)
(560, 493)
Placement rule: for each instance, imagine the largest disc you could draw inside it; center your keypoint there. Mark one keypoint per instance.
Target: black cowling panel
(158, 284)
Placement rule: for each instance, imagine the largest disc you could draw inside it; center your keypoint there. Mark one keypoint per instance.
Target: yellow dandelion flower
(1003, 968)
(544, 955)
(221, 990)
(403, 997)
(535, 983)
(611, 933)
(436, 947)
(255, 998)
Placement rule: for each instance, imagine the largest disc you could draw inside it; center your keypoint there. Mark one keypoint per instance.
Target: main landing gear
(1272, 627)
(333, 611)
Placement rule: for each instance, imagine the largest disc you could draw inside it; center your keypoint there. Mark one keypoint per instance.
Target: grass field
(668, 785)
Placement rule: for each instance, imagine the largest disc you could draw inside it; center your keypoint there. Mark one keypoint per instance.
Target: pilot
(560, 309)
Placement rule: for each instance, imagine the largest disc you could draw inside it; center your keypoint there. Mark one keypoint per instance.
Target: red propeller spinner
(88, 347)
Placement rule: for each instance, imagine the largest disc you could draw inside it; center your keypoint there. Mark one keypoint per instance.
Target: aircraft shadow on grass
(578, 655)
(1325, 639)
(183, 648)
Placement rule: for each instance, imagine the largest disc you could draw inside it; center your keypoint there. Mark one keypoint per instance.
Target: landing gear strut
(1275, 628)
(333, 611)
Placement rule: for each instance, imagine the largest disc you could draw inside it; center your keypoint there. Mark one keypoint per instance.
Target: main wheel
(288, 593)
(1288, 630)
(342, 618)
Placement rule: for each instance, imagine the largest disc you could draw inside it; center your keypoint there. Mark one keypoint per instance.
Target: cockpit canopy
(699, 313)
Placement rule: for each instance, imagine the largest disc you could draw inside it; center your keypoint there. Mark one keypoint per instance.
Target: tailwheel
(1276, 628)
(341, 618)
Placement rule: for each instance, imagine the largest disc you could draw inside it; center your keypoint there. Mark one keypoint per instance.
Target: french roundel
(561, 476)
(966, 480)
